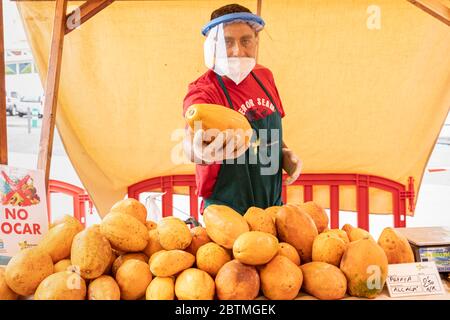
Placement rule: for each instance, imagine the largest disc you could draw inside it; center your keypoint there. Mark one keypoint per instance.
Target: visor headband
(253, 19)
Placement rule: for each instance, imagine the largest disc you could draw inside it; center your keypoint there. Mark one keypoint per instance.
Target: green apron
(241, 185)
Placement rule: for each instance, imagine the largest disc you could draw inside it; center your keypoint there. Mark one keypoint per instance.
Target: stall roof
(361, 95)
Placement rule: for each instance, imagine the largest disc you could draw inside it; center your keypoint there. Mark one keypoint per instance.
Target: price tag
(414, 279)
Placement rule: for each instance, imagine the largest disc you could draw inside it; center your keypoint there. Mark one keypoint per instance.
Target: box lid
(427, 236)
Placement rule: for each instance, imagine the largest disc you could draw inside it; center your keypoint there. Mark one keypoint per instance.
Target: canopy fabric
(357, 100)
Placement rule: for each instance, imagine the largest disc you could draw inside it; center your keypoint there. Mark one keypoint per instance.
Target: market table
(385, 295)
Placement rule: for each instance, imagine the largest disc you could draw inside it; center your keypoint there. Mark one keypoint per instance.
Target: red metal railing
(167, 184)
(362, 183)
(79, 196)
(400, 193)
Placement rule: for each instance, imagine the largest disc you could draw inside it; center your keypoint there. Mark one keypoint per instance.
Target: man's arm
(188, 146)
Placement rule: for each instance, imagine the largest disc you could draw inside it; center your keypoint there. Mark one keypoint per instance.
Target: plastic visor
(215, 51)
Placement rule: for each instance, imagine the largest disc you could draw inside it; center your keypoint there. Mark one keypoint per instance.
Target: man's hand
(292, 165)
(208, 148)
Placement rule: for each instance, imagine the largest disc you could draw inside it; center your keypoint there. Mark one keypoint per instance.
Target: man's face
(241, 40)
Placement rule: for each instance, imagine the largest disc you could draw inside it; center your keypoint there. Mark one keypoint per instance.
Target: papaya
(339, 233)
(27, 269)
(317, 213)
(67, 219)
(111, 262)
(125, 257)
(57, 242)
(103, 288)
(199, 238)
(272, 211)
(281, 279)
(169, 263)
(211, 257)
(259, 220)
(124, 232)
(63, 265)
(255, 247)
(95, 227)
(194, 284)
(173, 234)
(396, 246)
(61, 286)
(133, 278)
(365, 266)
(329, 248)
(151, 225)
(297, 228)
(161, 288)
(224, 225)
(153, 244)
(218, 118)
(5, 292)
(323, 281)
(132, 207)
(237, 281)
(91, 253)
(285, 249)
(355, 234)
(155, 255)
(117, 252)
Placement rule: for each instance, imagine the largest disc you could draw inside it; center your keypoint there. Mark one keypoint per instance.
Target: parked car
(12, 99)
(29, 103)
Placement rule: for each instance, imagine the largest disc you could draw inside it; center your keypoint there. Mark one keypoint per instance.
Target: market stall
(364, 101)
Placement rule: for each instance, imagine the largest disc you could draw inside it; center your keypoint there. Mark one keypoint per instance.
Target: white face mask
(239, 68)
(216, 57)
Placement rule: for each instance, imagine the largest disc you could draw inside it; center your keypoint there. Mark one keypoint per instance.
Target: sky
(14, 32)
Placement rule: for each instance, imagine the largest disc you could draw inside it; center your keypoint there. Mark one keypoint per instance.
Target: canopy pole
(3, 131)
(51, 89)
(258, 7)
(435, 8)
(258, 12)
(88, 10)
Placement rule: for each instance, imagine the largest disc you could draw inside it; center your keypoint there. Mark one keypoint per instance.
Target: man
(236, 81)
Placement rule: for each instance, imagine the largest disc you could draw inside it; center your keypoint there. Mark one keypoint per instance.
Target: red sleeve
(195, 95)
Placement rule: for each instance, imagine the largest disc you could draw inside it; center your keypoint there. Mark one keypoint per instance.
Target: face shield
(232, 52)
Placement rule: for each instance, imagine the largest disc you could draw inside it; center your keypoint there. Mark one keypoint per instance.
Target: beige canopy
(366, 88)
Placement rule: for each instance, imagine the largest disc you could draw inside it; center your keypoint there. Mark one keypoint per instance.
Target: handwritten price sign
(414, 279)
